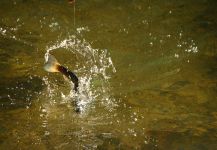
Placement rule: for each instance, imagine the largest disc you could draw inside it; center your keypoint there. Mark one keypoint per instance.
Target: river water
(147, 71)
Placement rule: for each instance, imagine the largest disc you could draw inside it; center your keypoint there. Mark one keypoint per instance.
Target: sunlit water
(147, 73)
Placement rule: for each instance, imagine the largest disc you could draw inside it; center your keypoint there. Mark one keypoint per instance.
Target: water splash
(94, 69)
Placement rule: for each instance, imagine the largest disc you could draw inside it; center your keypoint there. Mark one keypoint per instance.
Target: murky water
(147, 71)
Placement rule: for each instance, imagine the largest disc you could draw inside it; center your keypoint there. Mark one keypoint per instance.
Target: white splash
(192, 49)
(92, 68)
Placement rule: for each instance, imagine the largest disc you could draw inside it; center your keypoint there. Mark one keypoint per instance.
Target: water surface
(147, 71)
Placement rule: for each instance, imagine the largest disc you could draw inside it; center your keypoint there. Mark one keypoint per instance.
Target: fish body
(52, 65)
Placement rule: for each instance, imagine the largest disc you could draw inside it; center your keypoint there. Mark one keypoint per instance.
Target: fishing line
(74, 19)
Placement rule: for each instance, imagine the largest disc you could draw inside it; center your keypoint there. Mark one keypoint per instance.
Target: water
(147, 73)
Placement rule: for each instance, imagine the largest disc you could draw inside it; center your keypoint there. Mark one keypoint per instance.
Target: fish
(52, 65)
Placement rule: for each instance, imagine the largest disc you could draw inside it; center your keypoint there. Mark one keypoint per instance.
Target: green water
(155, 86)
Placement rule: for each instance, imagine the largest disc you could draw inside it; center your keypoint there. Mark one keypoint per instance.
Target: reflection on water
(147, 72)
